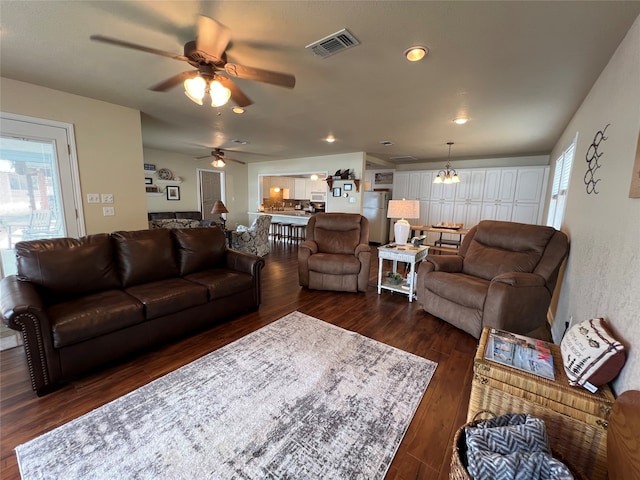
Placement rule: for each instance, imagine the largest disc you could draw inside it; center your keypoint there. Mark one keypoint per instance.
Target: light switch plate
(108, 211)
(93, 198)
(107, 198)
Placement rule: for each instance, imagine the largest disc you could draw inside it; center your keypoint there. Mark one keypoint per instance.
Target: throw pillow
(591, 355)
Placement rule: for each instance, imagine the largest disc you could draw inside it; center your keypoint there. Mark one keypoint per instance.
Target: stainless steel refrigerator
(375, 209)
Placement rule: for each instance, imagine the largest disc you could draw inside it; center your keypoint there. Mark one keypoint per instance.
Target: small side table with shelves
(404, 253)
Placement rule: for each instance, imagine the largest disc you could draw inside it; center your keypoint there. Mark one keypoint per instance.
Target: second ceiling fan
(208, 54)
(219, 160)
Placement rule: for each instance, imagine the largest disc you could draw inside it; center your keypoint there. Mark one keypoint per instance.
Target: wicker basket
(458, 469)
(576, 420)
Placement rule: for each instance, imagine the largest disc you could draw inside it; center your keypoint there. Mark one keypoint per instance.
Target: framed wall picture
(348, 187)
(148, 181)
(385, 178)
(337, 192)
(173, 193)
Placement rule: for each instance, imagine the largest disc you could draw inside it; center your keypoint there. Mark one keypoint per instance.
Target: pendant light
(448, 175)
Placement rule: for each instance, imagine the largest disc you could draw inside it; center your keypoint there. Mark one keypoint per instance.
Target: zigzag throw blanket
(512, 447)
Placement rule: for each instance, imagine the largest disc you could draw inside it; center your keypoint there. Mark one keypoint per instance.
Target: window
(560, 187)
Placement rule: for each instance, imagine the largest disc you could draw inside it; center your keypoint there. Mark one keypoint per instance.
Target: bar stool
(275, 230)
(286, 231)
(299, 233)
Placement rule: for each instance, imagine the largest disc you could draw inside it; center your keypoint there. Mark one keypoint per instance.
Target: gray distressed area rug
(297, 399)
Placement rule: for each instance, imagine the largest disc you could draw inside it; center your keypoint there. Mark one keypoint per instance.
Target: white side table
(407, 254)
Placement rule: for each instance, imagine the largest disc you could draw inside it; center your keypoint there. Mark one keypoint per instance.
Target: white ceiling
(517, 69)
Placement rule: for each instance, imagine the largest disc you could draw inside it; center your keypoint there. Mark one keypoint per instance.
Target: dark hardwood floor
(425, 451)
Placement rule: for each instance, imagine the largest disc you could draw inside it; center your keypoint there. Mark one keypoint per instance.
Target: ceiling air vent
(334, 43)
(406, 158)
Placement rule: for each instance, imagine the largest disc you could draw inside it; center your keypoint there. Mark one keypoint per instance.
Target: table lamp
(403, 209)
(219, 208)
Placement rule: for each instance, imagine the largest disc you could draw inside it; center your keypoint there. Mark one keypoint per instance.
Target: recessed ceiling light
(241, 142)
(461, 120)
(415, 54)
(330, 139)
(237, 110)
(386, 143)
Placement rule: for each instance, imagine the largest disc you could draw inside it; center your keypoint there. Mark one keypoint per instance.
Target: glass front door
(36, 187)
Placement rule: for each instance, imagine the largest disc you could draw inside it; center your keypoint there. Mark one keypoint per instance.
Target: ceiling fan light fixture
(416, 53)
(238, 110)
(218, 163)
(194, 88)
(219, 94)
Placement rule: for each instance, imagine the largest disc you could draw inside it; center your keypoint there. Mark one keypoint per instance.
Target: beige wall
(329, 163)
(602, 277)
(109, 147)
(185, 167)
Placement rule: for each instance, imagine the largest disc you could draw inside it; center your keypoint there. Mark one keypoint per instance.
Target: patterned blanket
(512, 447)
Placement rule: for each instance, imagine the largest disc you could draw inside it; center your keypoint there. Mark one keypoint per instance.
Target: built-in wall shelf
(149, 172)
(169, 182)
(155, 194)
(346, 180)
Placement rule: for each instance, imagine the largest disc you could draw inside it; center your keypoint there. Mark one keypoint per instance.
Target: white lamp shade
(219, 94)
(194, 88)
(403, 209)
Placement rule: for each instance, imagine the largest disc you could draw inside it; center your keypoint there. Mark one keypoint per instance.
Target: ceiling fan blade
(203, 156)
(237, 161)
(267, 76)
(237, 95)
(135, 46)
(173, 81)
(213, 37)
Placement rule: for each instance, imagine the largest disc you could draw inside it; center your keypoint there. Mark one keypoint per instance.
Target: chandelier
(448, 175)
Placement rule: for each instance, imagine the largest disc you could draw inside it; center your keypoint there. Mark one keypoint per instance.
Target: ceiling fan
(218, 158)
(208, 54)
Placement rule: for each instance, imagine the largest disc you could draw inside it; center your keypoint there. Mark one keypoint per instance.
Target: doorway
(210, 189)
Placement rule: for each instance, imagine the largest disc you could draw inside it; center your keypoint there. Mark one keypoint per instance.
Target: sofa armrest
(244, 262)
(310, 246)
(445, 263)
(518, 303)
(520, 279)
(17, 298)
(22, 309)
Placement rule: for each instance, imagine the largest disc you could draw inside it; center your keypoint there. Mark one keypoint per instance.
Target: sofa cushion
(93, 315)
(69, 266)
(200, 249)
(174, 223)
(168, 296)
(500, 247)
(460, 288)
(334, 264)
(145, 256)
(222, 282)
(337, 233)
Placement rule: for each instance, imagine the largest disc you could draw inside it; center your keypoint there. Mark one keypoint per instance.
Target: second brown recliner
(503, 276)
(336, 254)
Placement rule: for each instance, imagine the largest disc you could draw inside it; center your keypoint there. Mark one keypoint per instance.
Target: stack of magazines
(524, 353)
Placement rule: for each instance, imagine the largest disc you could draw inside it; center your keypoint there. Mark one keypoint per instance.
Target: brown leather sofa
(336, 254)
(81, 303)
(503, 276)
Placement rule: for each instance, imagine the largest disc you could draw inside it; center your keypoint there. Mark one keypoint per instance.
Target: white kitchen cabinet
(471, 186)
(442, 192)
(401, 185)
(426, 181)
(500, 185)
(299, 188)
(467, 213)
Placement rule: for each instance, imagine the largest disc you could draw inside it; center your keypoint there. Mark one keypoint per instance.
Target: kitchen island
(296, 217)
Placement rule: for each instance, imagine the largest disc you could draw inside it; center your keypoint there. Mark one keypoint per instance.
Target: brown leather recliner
(503, 277)
(336, 254)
